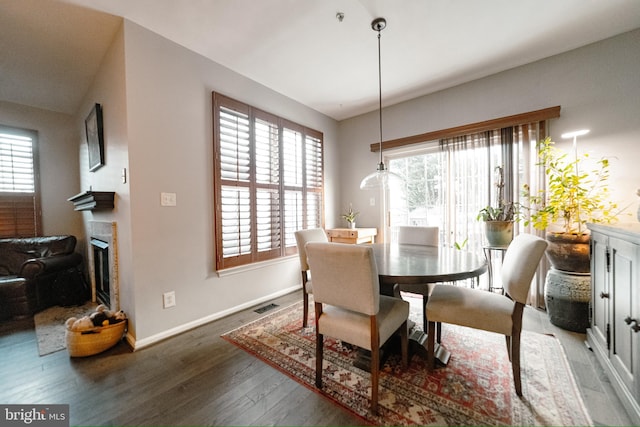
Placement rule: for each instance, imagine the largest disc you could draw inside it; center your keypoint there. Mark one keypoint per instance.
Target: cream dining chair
(489, 311)
(425, 236)
(302, 238)
(349, 307)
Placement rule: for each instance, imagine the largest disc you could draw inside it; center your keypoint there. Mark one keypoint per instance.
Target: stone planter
(569, 252)
(567, 297)
(499, 233)
(568, 283)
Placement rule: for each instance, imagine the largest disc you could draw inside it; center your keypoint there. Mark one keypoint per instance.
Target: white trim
(138, 344)
(254, 266)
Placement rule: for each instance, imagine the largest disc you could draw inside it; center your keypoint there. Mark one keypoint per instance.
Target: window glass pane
(268, 219)
(292, 157)
(422, 203)
(234, 145)
(267, 152)
(314, 210)
(313, 154)
(293, 215)
(236, 221)
(446, 189)
(16, 163)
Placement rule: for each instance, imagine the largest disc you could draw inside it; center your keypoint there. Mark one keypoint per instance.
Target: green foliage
(573, 196)
(509, 211)
(350, 215)
(460, 246)
(503, 212)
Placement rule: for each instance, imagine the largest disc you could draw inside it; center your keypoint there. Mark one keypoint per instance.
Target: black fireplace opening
(101, 270)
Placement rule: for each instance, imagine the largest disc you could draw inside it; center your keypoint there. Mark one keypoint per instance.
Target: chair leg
(404, 344)
(508, 339)
(431, 346)
(515, 363)
(425, 299)
(375, 362)
(375, 367)
(319, 355)
(305, 300)
(305, 307)
(439, 333)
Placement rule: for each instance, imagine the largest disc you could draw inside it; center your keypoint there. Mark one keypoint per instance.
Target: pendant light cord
(381, 165)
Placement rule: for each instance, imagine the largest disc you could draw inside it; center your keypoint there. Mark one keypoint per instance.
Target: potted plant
(573, 197)
(499, 220)
(350, 217)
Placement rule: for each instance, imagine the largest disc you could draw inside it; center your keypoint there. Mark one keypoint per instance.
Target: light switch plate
(167, 199)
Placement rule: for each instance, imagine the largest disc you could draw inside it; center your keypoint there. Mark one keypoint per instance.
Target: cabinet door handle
(604, 295)
(628, 320)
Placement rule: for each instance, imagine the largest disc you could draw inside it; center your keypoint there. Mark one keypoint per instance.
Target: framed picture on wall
(95, 139)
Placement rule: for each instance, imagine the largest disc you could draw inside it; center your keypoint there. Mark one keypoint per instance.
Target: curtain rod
(514, 120)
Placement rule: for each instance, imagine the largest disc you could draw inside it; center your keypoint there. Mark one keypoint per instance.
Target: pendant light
(382, 177)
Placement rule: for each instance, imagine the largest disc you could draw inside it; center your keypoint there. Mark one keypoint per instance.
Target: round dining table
(405, 264)
(417, 264)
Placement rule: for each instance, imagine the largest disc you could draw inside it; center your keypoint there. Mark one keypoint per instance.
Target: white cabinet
(614, 332)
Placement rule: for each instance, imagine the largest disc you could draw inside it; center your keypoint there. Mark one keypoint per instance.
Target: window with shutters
(268, 182)
(19, 189)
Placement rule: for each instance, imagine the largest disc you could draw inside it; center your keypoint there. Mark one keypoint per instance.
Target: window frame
(283, 228)
(22, 211)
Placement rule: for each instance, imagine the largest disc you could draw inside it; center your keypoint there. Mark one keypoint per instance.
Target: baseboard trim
(145, 342)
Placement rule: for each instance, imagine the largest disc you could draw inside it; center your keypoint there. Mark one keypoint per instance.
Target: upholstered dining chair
(489, 311)
(419, 235)
(349, 307)
(302, 238)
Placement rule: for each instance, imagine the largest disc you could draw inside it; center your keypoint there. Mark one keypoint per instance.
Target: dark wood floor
(197, 378)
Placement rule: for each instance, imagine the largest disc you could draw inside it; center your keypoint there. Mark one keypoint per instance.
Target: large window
(449, 182)
(446, 188)
(268, 180)
(19, 189)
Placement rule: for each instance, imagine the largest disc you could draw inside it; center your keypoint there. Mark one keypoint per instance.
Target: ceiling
(298, 47)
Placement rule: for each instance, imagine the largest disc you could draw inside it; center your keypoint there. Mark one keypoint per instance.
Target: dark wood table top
(416, 264)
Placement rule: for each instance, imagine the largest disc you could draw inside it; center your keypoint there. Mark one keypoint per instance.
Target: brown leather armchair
(39, 272)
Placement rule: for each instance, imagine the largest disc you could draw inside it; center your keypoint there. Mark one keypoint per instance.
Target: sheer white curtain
(471, 160)
(528, 171)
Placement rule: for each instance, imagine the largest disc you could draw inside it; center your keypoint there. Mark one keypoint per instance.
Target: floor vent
(265, 308)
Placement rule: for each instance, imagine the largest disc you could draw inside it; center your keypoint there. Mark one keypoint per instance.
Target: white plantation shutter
(234, 145)
(268, 183)
(19, 198)
(314, 181)
(236, 221)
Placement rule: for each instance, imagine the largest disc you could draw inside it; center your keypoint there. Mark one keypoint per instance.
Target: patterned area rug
(475, 388)
(50, 326)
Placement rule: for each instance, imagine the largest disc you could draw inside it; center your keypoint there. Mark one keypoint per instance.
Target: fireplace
(101, 270)
(103, 263)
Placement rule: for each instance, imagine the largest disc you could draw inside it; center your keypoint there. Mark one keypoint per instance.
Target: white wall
(109, 90)
(597, 86)
(58, 164)
(170, 148)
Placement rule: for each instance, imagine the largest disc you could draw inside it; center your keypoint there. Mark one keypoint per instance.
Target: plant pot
(499, 233)
(567, 297)
(568, 282)
(352, 225)
(569, 252)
